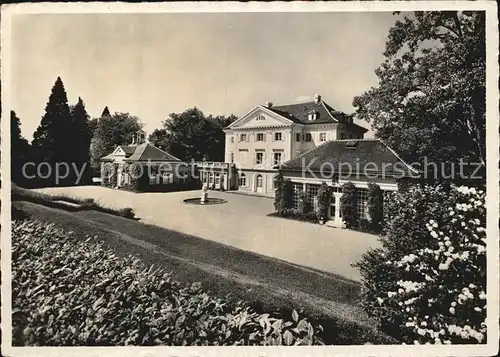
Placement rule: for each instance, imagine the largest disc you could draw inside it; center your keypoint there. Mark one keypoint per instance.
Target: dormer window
(312, 115)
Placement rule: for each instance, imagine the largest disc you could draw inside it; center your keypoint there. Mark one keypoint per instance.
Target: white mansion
(267, 136)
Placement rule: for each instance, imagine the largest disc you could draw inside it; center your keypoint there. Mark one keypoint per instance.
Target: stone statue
(204, 194)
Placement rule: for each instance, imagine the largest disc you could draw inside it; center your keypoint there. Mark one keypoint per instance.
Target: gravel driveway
(241, 223)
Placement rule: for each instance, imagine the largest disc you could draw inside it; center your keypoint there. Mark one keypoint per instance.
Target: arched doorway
(259, 184)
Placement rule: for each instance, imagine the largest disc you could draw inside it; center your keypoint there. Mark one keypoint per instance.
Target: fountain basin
(208, 201)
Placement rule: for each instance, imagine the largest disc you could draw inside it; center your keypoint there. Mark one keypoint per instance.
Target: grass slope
(269, 284)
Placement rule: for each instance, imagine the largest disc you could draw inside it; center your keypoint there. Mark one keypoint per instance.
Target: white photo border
(492, 155)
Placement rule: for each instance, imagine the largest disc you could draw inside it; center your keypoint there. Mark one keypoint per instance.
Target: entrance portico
(334, 212)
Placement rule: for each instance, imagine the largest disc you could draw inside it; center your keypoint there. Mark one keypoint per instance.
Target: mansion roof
(142, 152)
(299, 112)
(306, 113)
(356, 155)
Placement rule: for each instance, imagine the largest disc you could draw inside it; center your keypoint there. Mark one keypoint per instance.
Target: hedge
(348, 202)
(70, 292)
(22, 194)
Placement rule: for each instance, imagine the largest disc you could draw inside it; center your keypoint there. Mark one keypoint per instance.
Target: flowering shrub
(428, 280)
(71, 292)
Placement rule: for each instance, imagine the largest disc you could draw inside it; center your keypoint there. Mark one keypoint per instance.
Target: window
(243, 180)
(307, 137)
(277, 136)
(260, 137)
(312, 192)
(152, 179)
(232, 157)
(232, 139)
(259, 157)
(261, 117)
(243, 137)
(297, 136)
(166, 178)
(322, 137)
(362, 198)
(342, 136)
(243, 157)
(211, 179)
(259, 180)
(217, 178)
(277, 158)
(296, 188)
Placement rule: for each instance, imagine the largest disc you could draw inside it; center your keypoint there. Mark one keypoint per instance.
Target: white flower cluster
(466, 332)
(456, 255)
(409, 286)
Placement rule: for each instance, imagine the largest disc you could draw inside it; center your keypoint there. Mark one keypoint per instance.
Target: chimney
(269, 104)
(317, 98)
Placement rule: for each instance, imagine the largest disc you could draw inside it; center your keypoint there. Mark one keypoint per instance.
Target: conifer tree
(105, 112)
(81, 136)
(50, 140)
(19, 150)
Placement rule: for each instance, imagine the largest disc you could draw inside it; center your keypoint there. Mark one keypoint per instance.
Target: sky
(151, 65)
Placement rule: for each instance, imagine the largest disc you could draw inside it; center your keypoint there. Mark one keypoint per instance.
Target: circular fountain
(204, 200)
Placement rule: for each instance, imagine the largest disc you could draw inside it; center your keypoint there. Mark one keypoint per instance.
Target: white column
(338, 219)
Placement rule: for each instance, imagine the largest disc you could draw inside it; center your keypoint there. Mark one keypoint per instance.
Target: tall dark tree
(430, 100)
(51, 143)
(111, 131)
(20, 150)
(193, 136)
(105, 112)
(81, 135)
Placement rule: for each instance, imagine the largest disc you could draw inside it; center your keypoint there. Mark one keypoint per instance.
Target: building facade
(359, 161)
(217, 175)
(160, 171)
(267, 136)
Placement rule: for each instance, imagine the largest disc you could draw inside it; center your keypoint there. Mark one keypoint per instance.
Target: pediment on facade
(260, 117)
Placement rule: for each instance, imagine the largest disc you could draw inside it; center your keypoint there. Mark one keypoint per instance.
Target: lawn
(269, 284)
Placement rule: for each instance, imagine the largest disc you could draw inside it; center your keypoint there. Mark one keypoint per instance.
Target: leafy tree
(20, 149)
(430, 100)
(192, 136)
(50, 140)
(348, 204)
(92, 125)
(110, 132)
(161, 139)
(222, 120)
